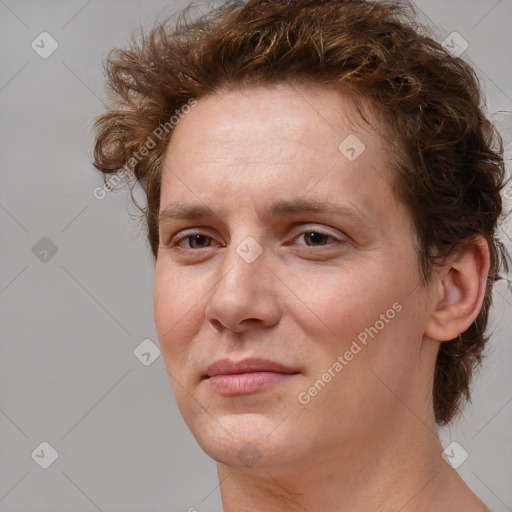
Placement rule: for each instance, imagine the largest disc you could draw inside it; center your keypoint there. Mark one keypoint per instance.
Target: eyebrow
(176, 210)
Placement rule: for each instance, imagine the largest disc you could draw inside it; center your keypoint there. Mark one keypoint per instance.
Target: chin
(252, 442)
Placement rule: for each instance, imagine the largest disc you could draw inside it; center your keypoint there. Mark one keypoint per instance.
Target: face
(288, 246)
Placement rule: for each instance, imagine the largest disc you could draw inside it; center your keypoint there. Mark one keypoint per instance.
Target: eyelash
(176, 241)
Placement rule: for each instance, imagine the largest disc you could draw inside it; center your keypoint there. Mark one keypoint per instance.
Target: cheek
(343, 303)
(363, 316)
(175, 311)
(164, 305)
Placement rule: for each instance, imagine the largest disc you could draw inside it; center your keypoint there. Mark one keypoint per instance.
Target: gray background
(70, 321)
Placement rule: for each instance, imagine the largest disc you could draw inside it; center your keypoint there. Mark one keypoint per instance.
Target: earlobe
(460, 289)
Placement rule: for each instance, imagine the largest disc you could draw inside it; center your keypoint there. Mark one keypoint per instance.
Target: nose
(245, 295)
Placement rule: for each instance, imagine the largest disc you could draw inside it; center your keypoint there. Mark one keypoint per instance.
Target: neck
(398, 468)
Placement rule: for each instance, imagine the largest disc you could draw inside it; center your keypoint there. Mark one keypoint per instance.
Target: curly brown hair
(449, 168)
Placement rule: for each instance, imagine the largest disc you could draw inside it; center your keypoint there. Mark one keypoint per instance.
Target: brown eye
(194, 241)
(315, 238)
(197, 239)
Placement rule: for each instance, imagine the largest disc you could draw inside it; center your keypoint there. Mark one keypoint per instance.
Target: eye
(315, 237)
(194, 241)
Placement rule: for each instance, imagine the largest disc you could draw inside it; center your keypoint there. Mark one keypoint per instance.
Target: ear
(458, 291)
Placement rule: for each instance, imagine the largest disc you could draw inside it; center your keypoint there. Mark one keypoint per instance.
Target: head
(253, 110)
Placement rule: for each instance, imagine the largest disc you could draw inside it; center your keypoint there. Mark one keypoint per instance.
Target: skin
(368, 439)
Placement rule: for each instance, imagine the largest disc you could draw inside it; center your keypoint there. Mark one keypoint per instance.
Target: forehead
(265, 141)
(292, 111)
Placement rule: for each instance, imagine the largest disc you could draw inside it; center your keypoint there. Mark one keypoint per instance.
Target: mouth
(250, 375)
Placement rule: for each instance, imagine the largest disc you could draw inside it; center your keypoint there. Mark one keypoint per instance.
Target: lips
(252, 375)
(249, 365)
